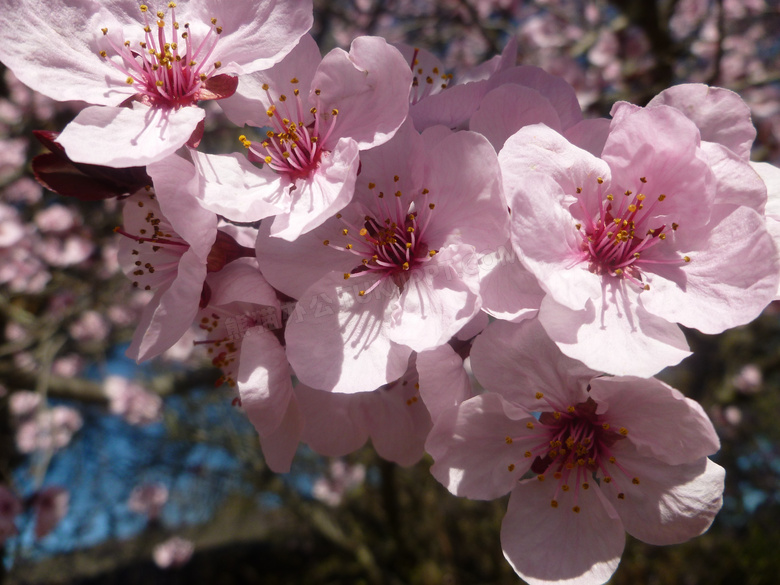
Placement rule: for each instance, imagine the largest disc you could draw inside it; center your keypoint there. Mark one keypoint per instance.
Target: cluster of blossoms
(383, 214)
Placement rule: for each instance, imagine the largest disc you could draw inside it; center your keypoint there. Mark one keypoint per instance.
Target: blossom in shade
(50, 505)
(396, 270)
(340, 479)
(10, 508)
(174, 552)
(321, 113)
(143, 66)
(132, 401)
(605, 456)
(651, 234)
(148, 499)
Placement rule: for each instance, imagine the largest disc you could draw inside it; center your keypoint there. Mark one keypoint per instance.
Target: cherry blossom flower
(321, 112)
(141, 66)
(398, 269)
(609, 456)
(341, 478)
(393, 416)
(132, 401)
(651, 234)
(48, 429)
(174, 552)
(148, 499)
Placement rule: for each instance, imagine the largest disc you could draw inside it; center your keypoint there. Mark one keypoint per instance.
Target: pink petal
(335, 426)
(517, 360)
(506, 109)
(337, 340)
(280, 446)
(264, 383)
(478, 447)
(555, 545)
(509, 290)
(720, 114)
(671, 503)
(239, 191)
(661, 422)
(125, 137)
(622, 341)
(369, 87)
(443, 379)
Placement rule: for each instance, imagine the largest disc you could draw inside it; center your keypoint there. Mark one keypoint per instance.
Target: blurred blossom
(15, 332)
(148, 499)
(13, 155)
(24, 190)
(341, 478)
(131, 401)
(732, 414)
(182, 349)
(11, 228)
(174, 552)
(110, 255)
(90, 326)
(67, 251)
(10, 508)
(48, 430)
(50, 506)
(56, 218)
(24, 403)
(748, 380)
(68, 366)
(25, 361)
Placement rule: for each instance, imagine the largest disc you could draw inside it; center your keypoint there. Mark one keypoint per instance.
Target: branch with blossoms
(388, 220)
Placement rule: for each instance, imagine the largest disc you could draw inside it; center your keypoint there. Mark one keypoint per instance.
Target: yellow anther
(661, 197)
(599, 180)
(104, 30)
(508, 440)
(213, 21)
(334, 112)
(644, 180)
(623, 431)
(557, 475)
(635, 481)
(371, 185)
(345, 231)
(605, 426)
(144, 7)
(405, 266)
(397, 194)
(159, 83)
(570, 409)
(540, 477)
(641, 197)
(632, 208)
(362, 293)
(129, 81)
(579, 189)
(326, 242)
(363, 231)
(612, 459)
(217, 64)
(662, 237)
(576, 509)
(346, 275)
(511, 467)
(529, 425)
(103, 54)
(687, 258)
(432, 253)
(218, 30)
(527, 454)
(610, 197)
(348, 246)
(556, 415)
(539, 395)
(160, 14)
(425, 191)
(565, 488)
(607, 479)
(619, 272)
(646, 287)
(553, 503)
(268, 159)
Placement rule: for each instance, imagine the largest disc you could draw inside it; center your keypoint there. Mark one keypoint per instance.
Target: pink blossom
(174, 552)
(398, 271)
(609, 456)
(168, 256)
(143, 71)
(148, 499)
(68, 366)
(50, 505)
(614, 292)
(24, 403)
(394, 417)
(340, 479)
(23, 190)
(49, 430)
(90, 326)
(322, 113)
(56, 218)
(132, 401)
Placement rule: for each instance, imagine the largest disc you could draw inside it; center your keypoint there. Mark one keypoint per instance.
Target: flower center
(293, 146)
(573, 444)
(425, 83)
(391, 242)
(619, 241)
(167, 70)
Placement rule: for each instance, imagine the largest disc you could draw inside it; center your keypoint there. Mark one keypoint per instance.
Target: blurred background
(123, 474)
